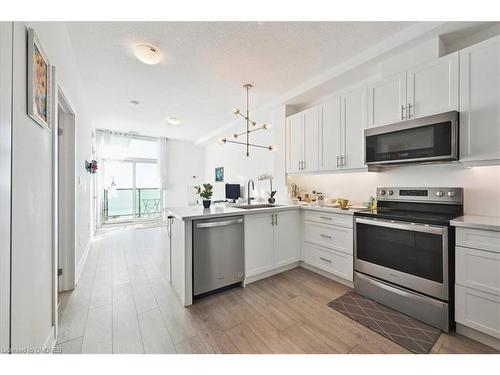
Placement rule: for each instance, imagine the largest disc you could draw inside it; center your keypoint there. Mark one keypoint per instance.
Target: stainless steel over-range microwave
(422, 140)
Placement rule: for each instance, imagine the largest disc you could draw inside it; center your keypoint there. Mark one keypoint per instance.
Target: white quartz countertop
(198, 212)
(477, 222)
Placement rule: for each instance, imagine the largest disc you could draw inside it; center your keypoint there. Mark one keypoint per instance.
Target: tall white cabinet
(428, 89)
(480, 102)
(302, 141)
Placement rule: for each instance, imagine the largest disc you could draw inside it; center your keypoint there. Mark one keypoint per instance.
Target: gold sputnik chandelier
(251, 127)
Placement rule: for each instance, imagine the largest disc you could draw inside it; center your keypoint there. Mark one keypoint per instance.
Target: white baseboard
(263, 275)
(81, 264)
(328, 275)
(478, 336)
(50, 341)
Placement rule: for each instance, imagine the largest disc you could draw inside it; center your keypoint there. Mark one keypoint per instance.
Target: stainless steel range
(404, 252)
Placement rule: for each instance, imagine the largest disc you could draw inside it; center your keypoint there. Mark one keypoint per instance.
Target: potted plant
(206, 194)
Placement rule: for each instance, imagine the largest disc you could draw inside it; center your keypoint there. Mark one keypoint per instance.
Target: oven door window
(415, 253)
(423, 142)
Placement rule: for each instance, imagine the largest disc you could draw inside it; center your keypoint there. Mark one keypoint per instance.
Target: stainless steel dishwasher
(218, 253)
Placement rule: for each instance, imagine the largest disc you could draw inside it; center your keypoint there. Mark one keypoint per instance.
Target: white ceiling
(204, 66)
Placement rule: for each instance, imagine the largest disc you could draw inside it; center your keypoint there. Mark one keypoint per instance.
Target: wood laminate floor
(124, 304)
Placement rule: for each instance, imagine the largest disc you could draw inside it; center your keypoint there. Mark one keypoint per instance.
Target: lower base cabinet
(272, 240)
(335, 262)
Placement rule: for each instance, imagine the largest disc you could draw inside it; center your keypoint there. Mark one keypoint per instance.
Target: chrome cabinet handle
(342, 160)
(325, 236)
(325, 260)
(338, 160)
(403, 116)
(303, 164)
(276, 219)
(219, 223)
(409, 110)
(272, 219)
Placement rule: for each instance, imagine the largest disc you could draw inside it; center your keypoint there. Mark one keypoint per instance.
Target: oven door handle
(403, 225)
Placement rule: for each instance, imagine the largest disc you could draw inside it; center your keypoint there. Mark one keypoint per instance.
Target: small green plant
(206, 193)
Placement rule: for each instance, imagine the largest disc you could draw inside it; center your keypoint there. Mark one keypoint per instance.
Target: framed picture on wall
(39, 82)
(219, 174)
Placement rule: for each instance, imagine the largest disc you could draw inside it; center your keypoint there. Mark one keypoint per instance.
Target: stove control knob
(439, 193)
(390, 192)
(451, 194)
(382, 192)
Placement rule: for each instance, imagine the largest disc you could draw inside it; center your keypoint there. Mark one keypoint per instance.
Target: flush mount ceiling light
(246, 133)
(147, 53)
(134, 103)
(173, 121)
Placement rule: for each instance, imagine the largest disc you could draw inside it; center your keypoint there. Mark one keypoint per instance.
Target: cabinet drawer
(336, 238)
(478, 310)
(478, 239)
(334, 262)
(329, 218)
(478, 269)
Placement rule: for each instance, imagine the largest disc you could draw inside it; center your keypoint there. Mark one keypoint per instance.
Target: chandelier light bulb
(272, 148)
(236, 111)
(221, 141)
(266, 126)
(235, 135)
(254, 123)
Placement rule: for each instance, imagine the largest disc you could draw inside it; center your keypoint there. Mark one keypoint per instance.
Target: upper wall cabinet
(433, 87)
(302, 141)
(480, 102)
(387, 101)
(329, 135)
(354, 118)
(426, 90)
(295, 147)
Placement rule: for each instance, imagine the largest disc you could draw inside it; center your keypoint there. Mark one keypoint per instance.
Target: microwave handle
(403, 225)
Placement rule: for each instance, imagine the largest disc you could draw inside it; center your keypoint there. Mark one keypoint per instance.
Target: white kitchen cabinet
(272, 240)
(335, 262)
(311, 139)
(480, 102)
(286, 238)
(477, 284)
(387, 101)
(259, 244)
(295, 148)
(329, 135)
(433, 87)
(303, 141)
(353, 115)
(425, 90)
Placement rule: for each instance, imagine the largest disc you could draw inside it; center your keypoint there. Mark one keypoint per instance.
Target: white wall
(32, 187)
(238, 168)
(481, 184)
(184, 161)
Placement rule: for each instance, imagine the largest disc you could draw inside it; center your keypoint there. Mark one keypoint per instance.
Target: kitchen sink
(253, 206)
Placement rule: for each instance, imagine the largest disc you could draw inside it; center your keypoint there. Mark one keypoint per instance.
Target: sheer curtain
(162, 171)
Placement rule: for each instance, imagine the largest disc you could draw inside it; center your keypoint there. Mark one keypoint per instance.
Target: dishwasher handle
(219, 223)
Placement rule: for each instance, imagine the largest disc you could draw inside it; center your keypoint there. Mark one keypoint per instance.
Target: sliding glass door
(132, 191)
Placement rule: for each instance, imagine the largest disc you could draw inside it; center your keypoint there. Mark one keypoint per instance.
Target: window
(130, 179)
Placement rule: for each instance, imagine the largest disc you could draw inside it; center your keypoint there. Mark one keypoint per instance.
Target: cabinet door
(387, 101)
(480, 101)
(295, 143)
(259, 244)
(287, 238)
(433, 87)
(311, 139)
(354, 110)
(329, 135)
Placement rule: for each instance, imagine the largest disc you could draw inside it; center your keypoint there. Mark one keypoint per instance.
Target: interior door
(329, 134)
(433, 87)
(295, 136)
(354, 108)
(311, 140)
(387, 101)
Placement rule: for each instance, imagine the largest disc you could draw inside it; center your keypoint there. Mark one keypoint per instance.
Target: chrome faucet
(249, 199)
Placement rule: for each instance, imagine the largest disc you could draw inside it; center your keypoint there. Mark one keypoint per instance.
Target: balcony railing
(120, 204)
